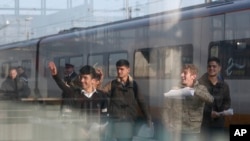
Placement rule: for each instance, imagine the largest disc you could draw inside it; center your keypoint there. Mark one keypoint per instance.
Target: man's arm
(202, 92)
(64, 87)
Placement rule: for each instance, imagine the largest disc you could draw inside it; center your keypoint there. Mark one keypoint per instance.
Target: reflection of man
(183, 113)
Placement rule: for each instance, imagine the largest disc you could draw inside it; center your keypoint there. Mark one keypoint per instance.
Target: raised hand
(52, 67)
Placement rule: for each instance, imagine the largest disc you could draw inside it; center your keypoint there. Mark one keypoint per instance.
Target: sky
(101, 6)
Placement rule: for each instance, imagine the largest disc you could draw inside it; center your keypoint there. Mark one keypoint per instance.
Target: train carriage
(156, 45)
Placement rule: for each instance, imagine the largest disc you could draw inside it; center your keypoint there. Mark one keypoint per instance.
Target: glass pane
(26, 64)
(53, 4)
(5, 70)
(7, 4)
(145, 63)
(77, 62)
(61, 68)
(234, 56)
(30, 3)
(95, 60)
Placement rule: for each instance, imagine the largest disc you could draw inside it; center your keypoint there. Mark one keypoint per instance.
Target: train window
(26, 64)
(214, 50)
(113, 58)
(14, 64)
(145, 63)
(5, 70)
(62, 62)
(77, 61)
(163, 62)
(234, 56)
(96, 60)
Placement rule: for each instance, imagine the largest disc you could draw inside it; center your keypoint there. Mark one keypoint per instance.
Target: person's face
(87, 81)
(213, 68)
(13, 74)
(20, 71)
(68, 70)
(122, 71)
(187, 78)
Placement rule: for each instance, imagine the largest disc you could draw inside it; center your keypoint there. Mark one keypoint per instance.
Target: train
(156, 45)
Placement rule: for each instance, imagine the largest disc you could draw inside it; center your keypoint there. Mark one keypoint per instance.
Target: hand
(215, 114)
(52, 67)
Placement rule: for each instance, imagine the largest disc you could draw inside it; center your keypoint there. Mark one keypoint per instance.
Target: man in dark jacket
(125, 98)
(91, 103)
(214, 115)
(70, 73)
(22, 74)
(70, 77)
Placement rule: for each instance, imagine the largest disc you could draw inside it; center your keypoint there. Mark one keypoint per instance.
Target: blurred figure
(70, 73)
(184, 106)
(22, 74)
(214, 115)
(71, 80)
(14, 87)
(125, 99)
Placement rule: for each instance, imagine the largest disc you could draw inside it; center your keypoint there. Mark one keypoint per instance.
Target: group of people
(115, 105)
(15, 86)
(196, 111)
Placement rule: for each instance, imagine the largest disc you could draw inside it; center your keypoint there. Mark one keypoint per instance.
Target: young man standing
(91, 103)
(125, 99)
(184, 107)
(214, 115)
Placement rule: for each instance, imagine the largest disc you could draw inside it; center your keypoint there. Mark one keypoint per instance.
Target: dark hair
(122, 62)
(88, 70)
(215, 59)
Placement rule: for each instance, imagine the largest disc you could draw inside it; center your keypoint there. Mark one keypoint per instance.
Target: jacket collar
(129, 81)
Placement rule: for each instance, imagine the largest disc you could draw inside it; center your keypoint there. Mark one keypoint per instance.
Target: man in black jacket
(126, 103)
(91, 103)
(214, 115)
(70, 77)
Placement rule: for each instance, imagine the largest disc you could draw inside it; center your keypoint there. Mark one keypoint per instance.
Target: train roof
(25, 43)
(198, 11)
